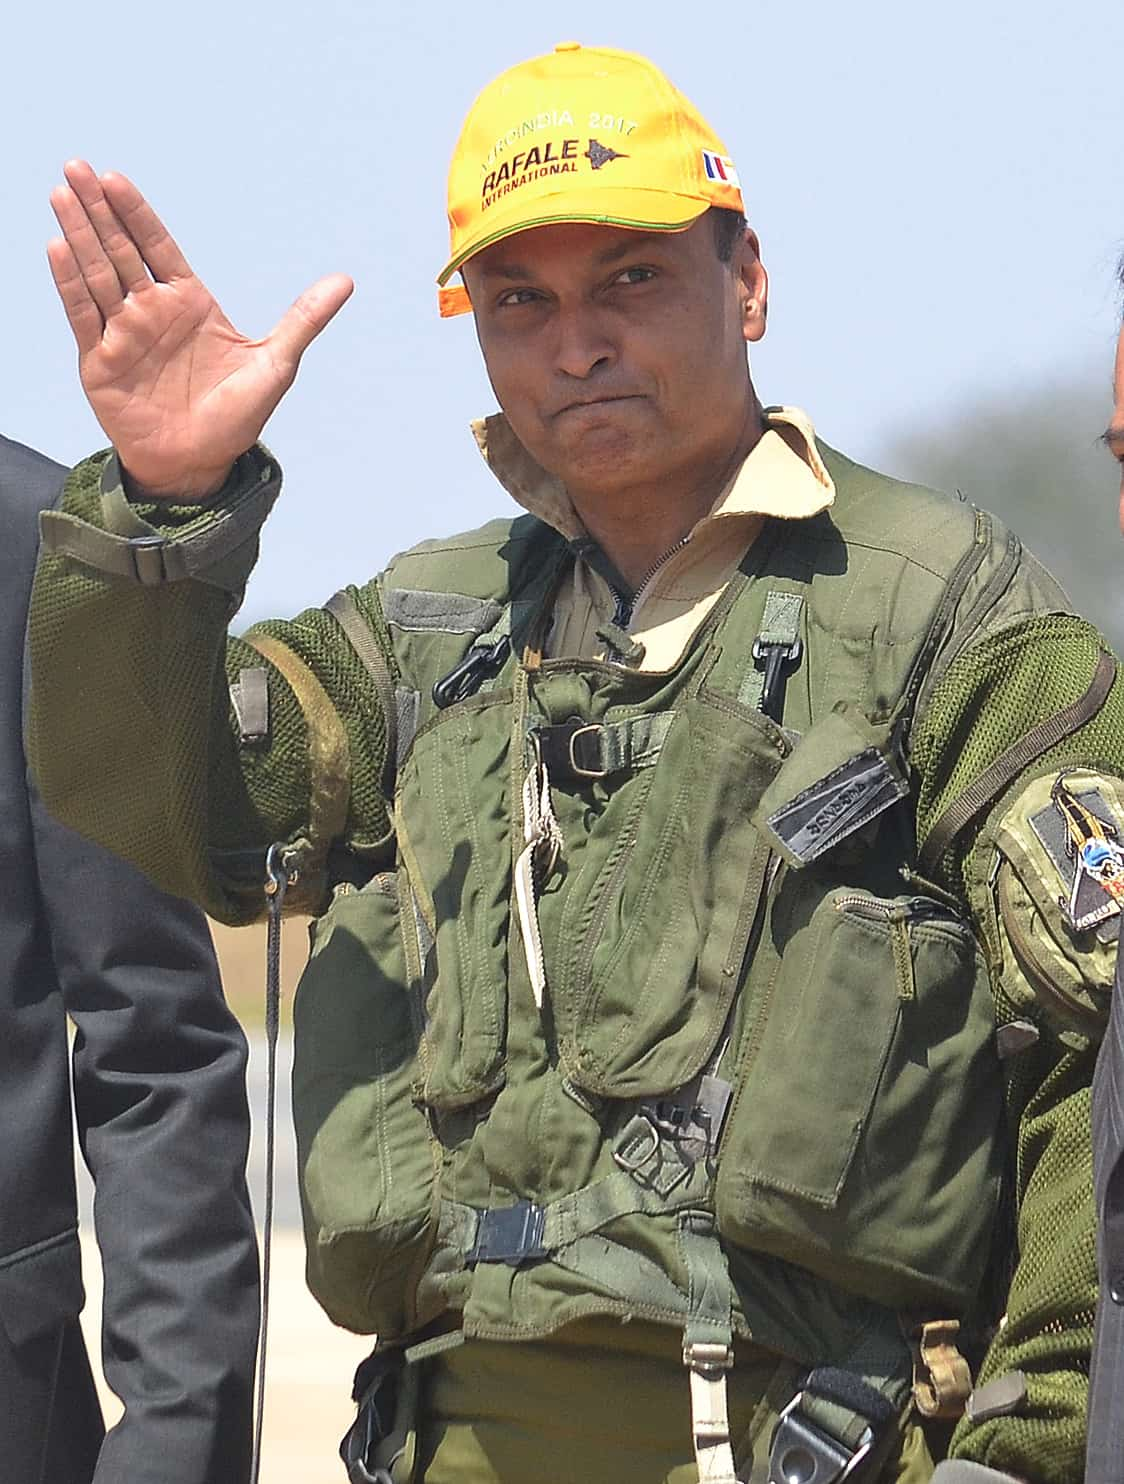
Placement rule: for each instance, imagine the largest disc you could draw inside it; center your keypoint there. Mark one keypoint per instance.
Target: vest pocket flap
(363, 1155)
(41, 1287)
(841, 775)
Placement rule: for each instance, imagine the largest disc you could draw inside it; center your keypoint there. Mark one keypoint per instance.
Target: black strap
(1008, 765)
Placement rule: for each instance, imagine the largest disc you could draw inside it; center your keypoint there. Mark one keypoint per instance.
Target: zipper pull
(480, 663)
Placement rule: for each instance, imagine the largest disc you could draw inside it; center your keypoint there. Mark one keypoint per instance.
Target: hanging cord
(277, 881)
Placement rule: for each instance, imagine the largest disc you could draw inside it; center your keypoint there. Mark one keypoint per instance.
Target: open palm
(178, 390)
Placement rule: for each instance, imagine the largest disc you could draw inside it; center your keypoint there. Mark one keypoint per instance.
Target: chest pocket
(649, 939)
(863, 1142)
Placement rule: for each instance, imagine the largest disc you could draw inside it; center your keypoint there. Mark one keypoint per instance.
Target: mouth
(592, 405)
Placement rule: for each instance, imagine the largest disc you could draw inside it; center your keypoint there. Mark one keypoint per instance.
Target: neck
(640, 524)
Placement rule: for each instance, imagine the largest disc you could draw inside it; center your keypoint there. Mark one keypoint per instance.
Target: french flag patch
(720, 168)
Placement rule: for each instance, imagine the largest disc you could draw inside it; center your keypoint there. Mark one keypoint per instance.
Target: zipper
(916, 909)
(626, 606)
(1026, 955)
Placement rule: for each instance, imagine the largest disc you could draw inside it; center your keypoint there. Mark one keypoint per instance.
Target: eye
(635, 275)
(516, 297)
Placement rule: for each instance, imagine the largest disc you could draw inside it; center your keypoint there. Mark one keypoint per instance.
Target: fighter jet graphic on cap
(599, 154)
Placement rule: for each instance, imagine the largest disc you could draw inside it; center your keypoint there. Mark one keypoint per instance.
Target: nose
(582, 345)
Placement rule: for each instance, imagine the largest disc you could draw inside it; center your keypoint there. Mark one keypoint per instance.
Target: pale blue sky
(938, 192)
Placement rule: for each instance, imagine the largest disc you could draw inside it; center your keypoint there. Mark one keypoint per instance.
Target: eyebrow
(629, 244)
(1113, 435)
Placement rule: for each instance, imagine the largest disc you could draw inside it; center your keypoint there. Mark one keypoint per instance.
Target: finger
(153, 240)
(116, 243)
(89, 255)
(83, 314)
(299, 326)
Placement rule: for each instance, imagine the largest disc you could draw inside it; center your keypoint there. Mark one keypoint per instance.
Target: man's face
(1114, 438)
(617, 355)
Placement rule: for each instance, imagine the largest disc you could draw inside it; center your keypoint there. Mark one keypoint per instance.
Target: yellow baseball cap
(583, 134)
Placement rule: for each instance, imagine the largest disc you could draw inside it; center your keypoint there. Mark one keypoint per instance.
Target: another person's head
(598, 224)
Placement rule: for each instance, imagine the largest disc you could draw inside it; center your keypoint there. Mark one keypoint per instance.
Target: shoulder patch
(1082, 837)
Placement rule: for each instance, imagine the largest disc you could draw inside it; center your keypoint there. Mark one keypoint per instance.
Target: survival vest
(646, 1019)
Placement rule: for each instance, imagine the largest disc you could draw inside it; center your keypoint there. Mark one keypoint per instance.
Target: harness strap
(346, 612)
(329, 758)
(708, 1345)
(580, 749)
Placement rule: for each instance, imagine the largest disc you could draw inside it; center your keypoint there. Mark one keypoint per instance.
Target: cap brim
(648, 211)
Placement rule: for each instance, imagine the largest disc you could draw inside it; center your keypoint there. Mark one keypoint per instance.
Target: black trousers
(51, 1425)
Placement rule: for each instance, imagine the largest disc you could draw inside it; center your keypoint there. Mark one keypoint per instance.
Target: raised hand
(179, 392)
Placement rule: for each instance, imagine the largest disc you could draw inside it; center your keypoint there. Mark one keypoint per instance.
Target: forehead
(586, 244)
(1119, 378)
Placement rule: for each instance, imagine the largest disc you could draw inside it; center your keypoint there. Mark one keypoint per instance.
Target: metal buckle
(578, 770)
(802, 1453)
(708, 1359)
(621, 1155)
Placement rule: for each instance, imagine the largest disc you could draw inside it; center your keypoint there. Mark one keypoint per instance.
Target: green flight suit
(733, 897)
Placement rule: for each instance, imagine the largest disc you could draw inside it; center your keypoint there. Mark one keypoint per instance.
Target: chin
(606, 458)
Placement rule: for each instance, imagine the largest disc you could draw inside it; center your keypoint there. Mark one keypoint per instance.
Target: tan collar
(782, 476)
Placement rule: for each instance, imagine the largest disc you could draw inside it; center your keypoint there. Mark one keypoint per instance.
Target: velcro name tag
(816, 819)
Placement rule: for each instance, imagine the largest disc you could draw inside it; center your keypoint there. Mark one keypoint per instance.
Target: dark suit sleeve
(159, 1089)
(1105, 1457)
(160, 1100)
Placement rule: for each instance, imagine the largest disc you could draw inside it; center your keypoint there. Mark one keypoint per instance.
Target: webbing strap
(153, 560)
(328, 753)
(780, 629)
(1008, 765)
(346, 612)
(708, 1345)
(580, 749)
(501, 629)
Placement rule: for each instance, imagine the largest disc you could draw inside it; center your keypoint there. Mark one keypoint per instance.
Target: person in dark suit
(1105, 1444)
(159, 1097)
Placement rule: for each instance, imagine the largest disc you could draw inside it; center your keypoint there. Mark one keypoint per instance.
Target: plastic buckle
(512, 1235)
(377, 1382)
(482, 662)
(775, 658)
(802, 1453)
(147, 554)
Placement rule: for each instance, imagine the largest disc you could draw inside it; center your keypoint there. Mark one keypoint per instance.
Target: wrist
(192, 489)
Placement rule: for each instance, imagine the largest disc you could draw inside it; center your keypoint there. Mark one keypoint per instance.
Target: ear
(753, 287)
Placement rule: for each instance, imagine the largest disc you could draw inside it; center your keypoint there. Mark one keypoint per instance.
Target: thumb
(299, 326)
